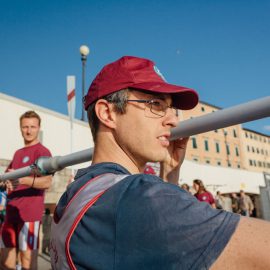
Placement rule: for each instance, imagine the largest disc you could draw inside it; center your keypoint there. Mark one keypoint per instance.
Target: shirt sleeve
(168, 228)
(212, 200)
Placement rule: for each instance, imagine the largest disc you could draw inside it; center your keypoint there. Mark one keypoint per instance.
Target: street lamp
(84, 51)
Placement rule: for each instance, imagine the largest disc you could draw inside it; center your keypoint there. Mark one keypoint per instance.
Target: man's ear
(105, 113)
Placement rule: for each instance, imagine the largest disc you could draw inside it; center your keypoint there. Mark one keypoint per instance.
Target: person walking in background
(46, 230)
(235, 202)
(246, 205)
(25, 200)
(219, 200)
(185, 187)
(202, 194)
(149, 170)
(227, 206)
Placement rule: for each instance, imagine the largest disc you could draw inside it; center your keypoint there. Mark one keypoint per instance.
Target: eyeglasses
(157, 106)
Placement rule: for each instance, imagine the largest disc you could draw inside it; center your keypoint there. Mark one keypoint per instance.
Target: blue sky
(221, 48)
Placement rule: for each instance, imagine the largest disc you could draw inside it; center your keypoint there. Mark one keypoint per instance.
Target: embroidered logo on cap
(159, 73)
(25, 159)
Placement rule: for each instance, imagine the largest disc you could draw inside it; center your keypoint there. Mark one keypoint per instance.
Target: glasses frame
(150, 102)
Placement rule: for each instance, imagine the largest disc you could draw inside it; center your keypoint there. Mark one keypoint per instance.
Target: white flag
(71, 96)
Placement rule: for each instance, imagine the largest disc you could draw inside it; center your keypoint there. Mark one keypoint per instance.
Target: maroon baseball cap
(137, 73)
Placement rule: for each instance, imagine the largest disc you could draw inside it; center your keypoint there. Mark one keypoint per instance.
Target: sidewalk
(44, 262)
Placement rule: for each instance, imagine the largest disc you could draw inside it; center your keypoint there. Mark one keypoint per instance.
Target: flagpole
(71, 97)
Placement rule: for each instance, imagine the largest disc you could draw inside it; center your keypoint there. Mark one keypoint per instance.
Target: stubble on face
(30, 130)
(141, 137)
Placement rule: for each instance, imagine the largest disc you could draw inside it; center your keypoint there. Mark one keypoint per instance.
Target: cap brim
(183, 98)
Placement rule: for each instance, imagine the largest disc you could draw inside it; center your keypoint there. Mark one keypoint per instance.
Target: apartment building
(220, 147)
(256, 151)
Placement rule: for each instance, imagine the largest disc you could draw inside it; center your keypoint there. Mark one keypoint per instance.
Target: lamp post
(84, 51)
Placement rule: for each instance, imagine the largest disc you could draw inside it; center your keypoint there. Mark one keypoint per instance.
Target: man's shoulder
(41, 146)
(34, 147)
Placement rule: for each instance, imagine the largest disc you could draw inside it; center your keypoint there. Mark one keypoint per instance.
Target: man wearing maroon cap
(115, 217)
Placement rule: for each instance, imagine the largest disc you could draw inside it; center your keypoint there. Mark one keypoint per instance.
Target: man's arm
(43, 182)
(248, 247)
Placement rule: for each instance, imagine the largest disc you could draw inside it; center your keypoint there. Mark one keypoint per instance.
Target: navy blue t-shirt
(144, 223)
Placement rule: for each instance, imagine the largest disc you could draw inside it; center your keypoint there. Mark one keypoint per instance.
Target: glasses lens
(158, 107)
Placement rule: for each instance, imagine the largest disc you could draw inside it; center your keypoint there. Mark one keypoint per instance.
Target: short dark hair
(30, 114)
(119, 99)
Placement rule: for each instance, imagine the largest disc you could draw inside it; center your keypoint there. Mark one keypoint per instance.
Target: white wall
(55, 128)
(225, 180)
(56, 136)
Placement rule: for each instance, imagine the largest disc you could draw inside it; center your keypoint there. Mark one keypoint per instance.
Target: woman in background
(202, 194)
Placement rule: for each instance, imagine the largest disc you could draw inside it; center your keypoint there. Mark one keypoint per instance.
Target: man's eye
(156, 103)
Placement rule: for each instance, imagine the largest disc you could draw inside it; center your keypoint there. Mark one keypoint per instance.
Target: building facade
(256, 151)
(233, 147)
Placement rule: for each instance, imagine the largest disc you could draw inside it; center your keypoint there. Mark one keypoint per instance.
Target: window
(219, 163)
(234, 133)
(253, 150)
(229, 164)
(258, 151)
(195, 159)
(246, 134)
(259, 164)
(202, 108)
(238, 166)
(194, 143)
(216, 130)
(236, 151)
(248, 148)
(206, 146)
(250, 136)
(254, 163)
(262, 151)
(207, 161)
(250, 162)
(227, 149)
(217, 147)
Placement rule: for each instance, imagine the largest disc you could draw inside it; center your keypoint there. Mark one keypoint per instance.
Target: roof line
(39, 108)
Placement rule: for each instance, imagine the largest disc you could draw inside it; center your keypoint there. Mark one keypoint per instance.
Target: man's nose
(171, 117)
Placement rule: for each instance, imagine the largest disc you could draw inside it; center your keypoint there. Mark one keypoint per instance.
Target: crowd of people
(114, 216)
(237, 203)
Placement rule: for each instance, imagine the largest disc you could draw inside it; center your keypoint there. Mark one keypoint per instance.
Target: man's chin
(29, 140)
